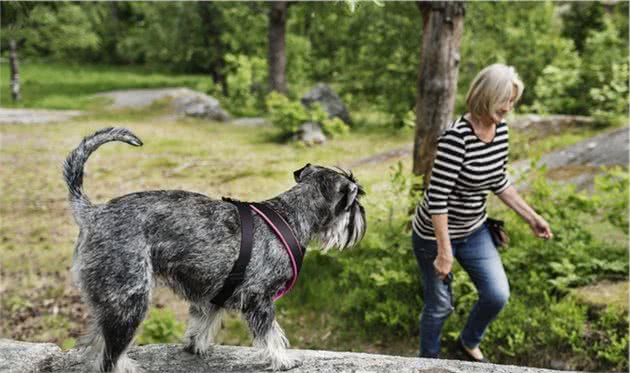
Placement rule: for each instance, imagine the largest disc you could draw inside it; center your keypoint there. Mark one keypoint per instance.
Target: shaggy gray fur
(190, 243)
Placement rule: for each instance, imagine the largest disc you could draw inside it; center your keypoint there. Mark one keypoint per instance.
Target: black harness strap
(286, 232)
(236, 276)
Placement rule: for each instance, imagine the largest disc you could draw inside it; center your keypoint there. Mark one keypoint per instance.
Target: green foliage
(61, 32)
(362, 53)
(335, 127)
(287, 115)
(612, 199)
(298, 55)
(160, 327)
(606, 72)
(380, 279)
(559, 84)
(59, 86)
(380, 291)
(246, 79)
(610, 97)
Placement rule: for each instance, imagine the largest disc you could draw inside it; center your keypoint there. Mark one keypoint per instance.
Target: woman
(450, 222)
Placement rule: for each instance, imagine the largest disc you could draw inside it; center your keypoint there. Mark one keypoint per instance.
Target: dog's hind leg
(118, 326)
(118, 323)
(203, 325)
(269, 336)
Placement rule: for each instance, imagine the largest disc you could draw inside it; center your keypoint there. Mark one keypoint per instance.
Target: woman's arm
(444, 261)
(514, 201)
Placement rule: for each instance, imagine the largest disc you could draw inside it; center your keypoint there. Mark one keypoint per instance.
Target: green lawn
(60, 86)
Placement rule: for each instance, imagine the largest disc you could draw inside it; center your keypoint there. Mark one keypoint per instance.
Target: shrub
(160, 327)
(246, 82)
(287, 115)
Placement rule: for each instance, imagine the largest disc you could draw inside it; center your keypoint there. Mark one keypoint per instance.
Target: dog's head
(342, 218)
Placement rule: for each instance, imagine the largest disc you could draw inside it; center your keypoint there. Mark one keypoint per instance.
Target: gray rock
(231, 359)
(25, 357)
(608, 149)
(199, 105)
(329, 100)
(185, 101)
(311, 133)
(545, 124)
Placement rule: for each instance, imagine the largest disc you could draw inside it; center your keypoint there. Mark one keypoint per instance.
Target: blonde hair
(491, 88)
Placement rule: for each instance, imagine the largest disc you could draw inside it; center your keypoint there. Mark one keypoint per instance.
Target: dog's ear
(303, 172)
(351, 191)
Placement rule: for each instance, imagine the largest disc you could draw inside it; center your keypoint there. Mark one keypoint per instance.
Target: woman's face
(504, 108)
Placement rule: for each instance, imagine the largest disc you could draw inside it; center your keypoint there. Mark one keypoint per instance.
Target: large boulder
(22, 357)
(199, 105)
(231, 359)
(329, 100)
(311, 133)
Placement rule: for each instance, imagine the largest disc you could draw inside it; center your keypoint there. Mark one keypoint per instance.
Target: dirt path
(36, 116)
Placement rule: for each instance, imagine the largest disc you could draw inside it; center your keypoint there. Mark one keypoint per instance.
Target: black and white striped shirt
(465, 170)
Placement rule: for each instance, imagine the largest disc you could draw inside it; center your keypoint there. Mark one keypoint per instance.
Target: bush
(60, 32)
(380, 279)
(246, 82)
(558, 87)
(288, 115)
(160, 327)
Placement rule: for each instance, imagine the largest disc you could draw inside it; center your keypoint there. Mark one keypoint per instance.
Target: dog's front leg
(269, 336)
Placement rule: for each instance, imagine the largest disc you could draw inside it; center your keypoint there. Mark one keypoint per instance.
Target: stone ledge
(26, 357)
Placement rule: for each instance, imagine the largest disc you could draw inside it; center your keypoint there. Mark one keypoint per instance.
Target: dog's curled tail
(73, 166)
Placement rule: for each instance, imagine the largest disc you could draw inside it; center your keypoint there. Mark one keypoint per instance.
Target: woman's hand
(540, 227)
(443, 265)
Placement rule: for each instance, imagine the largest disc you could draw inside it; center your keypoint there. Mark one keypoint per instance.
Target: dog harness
(285, 234)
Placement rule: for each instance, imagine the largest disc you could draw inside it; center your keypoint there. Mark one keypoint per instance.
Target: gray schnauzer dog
(190, 243)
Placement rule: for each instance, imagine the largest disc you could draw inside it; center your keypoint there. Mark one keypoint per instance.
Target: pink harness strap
(288, 287)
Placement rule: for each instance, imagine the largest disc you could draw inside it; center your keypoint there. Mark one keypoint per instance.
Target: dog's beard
(345, 231)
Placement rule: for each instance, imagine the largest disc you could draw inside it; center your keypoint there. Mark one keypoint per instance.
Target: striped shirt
(464, 171)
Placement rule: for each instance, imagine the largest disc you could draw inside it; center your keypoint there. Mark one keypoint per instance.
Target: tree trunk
(209, 17)
(277, 57)
(443, 23)
(15, 73)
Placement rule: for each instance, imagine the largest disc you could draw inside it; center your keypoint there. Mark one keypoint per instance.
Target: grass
(62, 86)
(37, 233)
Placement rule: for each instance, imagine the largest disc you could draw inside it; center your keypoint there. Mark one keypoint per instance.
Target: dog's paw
(196, 350)
(284, 363)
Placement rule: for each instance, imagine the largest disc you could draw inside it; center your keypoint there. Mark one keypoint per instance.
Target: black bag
(499, 237)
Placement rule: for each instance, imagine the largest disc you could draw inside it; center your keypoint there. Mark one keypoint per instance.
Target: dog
(190, 242)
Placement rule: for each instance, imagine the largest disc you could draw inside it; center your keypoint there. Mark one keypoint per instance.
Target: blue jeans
(479, 257)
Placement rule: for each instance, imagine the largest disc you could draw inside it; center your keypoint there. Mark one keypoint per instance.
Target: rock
(604, 294)
(35, 116)
(185, 101)
(25, 357)
(544, 125)
(199, 105)
(610, 148)
(232, 359)
(329, 100)
(580, 163)
(311, 133)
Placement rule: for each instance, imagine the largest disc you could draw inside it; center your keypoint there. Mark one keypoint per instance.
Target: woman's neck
(483, 123)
